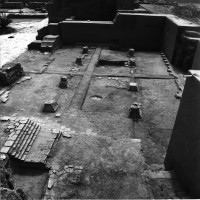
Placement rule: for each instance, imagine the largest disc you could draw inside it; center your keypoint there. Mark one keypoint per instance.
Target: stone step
(35, 45)
(50, 43)
(16, 135)
(51, 37)
(29, 142)
(20, 139)
(28, 136)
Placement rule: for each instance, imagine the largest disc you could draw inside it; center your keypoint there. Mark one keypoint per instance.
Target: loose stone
(135, 112)
(131, 52)
(133, 87)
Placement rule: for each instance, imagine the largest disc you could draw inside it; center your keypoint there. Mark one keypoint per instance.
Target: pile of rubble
(7, 190)
(22, 134)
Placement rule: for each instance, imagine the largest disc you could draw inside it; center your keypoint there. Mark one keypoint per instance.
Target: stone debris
(167, 63)
(126, 64)
(74, 69)
(85, 50)
(131, 52)
(10, 72)
(179, 84)
(79, 60)
(3, 156)
(5, 118)
(23, 134)
(66, 134)
(58, 115)
(23, 79)
(50, 183)
(178, 95)
(132, 62)
(55, 131)
(157, 167)
(50, 106)
(5, 150)
(63, 82)
(162, 54)
(70, 173)
(158, 174)
(135, 112)
(165, 60)
(133, 87)
(90, 133)
(4, 97)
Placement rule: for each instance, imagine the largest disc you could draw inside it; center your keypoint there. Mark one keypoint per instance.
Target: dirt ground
(14, 44)
(108, 155)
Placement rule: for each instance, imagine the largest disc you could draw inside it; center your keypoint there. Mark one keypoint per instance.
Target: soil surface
(107, 155)
(14, 44)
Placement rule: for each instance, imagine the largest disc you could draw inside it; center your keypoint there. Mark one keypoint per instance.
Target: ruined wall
(174, 28)
(143, 32)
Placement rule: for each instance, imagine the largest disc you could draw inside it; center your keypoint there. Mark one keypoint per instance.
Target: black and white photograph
(99, 99)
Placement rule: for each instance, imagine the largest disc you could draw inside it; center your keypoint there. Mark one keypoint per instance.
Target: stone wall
(184, 148)
(143, 32)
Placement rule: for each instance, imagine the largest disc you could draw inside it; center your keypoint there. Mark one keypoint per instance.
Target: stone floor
(102, 152)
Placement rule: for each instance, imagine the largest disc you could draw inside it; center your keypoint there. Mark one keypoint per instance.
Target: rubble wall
(144, 32)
